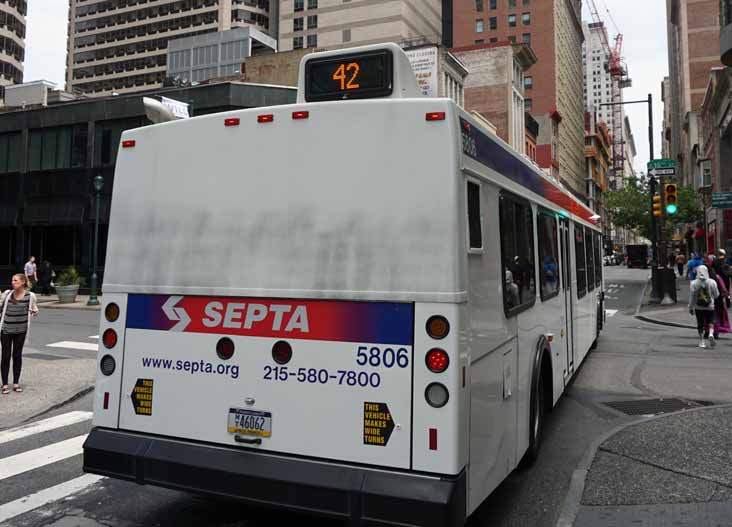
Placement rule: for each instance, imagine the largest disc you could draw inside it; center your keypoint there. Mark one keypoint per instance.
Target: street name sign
(662, 167)
(722, 200)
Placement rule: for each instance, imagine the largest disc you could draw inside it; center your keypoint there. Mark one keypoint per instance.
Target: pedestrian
(18, 307)
(45, 275)
(680, 261)
(30, 272)
(702, 293)
(721, 317)
(691, 266)
(723, 268)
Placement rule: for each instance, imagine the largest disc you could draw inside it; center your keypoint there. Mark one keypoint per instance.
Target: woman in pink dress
(721, 317)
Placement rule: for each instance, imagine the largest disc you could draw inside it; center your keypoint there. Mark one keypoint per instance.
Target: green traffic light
(671, 209)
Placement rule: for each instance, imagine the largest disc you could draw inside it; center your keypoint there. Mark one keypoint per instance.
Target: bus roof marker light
(300, 115)
(232, 121)
(128, 143)
(435, 116)
(265, 118)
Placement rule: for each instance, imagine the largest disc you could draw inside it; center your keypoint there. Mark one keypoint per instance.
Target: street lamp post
(98, 185)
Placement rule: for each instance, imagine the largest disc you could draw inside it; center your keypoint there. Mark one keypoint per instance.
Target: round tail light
(437, 360)
(225, 348)
(111, 312)
(107, 365)
(109, 338)
(436, 395)
(281, 352)
(438, 327)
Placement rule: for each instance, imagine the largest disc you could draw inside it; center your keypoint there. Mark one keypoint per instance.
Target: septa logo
(176, 314)
(236, 315)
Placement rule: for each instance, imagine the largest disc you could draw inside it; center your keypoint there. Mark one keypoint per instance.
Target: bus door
(567, 292)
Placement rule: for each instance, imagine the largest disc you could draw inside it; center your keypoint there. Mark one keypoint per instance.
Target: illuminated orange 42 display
(340, 75)
(349, 76)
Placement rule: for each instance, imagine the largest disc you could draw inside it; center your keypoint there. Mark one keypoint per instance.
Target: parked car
(638, 255)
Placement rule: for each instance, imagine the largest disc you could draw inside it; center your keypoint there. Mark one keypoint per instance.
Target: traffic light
(672, 199)
(656, 205)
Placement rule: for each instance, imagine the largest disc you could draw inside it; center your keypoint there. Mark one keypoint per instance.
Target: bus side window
(590, 260)
(598, 260)
(517, 254)
(579, 250)
(475, 231)
(546, 226)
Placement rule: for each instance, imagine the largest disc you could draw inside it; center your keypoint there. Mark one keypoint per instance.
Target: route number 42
(343, 71)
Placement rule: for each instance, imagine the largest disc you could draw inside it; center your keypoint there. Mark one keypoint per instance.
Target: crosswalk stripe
(40, 457)
(55, 493)
(74, 345)
(44, 425)
(610, 312)
(93, 336)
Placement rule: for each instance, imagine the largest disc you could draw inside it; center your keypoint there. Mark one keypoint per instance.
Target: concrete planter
(67, 293)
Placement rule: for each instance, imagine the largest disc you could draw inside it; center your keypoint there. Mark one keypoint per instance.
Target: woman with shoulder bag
(18, 307)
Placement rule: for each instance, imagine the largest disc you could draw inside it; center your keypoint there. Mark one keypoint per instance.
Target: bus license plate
(250, 422)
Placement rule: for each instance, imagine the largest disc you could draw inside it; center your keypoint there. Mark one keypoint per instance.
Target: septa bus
(361, 306)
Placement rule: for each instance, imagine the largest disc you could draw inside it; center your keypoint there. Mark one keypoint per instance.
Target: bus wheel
(538, 412)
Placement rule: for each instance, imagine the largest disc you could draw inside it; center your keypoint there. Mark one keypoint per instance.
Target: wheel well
(546, 373)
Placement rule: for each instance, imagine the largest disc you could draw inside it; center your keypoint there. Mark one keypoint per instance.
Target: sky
(642, 23)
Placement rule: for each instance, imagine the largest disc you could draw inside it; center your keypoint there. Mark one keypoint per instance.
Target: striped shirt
(16, 315)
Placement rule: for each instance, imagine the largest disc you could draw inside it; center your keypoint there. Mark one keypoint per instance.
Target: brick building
(553, 86)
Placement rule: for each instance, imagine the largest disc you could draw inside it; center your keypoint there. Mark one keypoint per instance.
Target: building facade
(553, 86)
(494, 87)
(598, 165)
(12, 40)
(49, 156)
(332, 24)
(693, 50)
(666, 125)
(120, 46)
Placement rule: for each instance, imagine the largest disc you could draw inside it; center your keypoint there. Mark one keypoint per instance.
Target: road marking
(93, 337)
(44, 425)
(610, 312)
(88, 346)
(55, 493)
(40, 457)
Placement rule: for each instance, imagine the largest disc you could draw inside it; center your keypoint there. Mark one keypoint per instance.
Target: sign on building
(178, 108)
(722, 200)
(424, 64)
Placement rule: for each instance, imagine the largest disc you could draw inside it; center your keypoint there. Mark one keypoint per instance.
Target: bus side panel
(108, 387)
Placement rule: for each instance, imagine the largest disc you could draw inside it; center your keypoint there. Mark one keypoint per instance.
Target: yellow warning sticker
(377, 424)
(142, 397)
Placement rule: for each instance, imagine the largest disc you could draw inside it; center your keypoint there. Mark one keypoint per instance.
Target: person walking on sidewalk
(18, 306)
(721, 318)
(692, 265)
(680, 261)
(30, 272)
(703, 292)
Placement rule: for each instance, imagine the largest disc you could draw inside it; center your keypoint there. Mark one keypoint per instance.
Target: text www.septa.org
(192, 367)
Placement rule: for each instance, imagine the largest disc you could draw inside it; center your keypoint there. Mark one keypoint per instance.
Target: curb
(664, 322)
(572, 501)
(72, 307)
(79, 394)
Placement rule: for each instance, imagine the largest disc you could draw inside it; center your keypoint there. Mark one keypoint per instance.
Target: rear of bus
(281, 311)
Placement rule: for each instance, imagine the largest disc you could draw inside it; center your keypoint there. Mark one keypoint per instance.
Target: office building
(12, 42)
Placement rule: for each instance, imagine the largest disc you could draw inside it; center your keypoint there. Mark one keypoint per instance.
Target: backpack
(703, 298)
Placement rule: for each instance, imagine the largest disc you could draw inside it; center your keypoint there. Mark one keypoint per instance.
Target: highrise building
(553, 86)
(12, 50)
(334, 24)
(120, 46)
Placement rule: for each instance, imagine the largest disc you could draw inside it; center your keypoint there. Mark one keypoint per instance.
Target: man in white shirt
(30, 271)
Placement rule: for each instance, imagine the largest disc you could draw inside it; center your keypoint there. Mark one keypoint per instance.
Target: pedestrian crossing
(26, 456)
(69, 344)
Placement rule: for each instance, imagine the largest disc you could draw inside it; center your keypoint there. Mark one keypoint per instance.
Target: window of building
(528, 82)
(493, 22)
(526, 38)
(526, 19)
(312, 21)
(297, 24)
(475, 230)
(312, 4)
(478, 26)
(9, 153)
(346, 35)
(546, 226)
(589, 260)
(512, 39)
(526, 2)
(511, 4)
(579, 252)
(493, 40)
(511, 20)
(299, 5)
(297, 43)
(312, 41)
(480, 41)
(528, 104)
(517, 253)
(479, 6)
(493, 4)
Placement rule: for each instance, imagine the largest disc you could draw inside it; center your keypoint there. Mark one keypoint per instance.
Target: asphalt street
(629, 363)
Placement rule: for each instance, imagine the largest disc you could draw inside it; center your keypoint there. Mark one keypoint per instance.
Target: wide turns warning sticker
(377, 424)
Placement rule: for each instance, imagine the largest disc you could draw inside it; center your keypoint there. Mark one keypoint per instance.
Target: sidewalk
(51, 301)
(676, 315)
(660, 471)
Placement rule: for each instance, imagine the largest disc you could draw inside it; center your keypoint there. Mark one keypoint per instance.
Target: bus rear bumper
(362, 495)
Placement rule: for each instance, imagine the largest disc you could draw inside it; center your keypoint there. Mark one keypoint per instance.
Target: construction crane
(618, 71)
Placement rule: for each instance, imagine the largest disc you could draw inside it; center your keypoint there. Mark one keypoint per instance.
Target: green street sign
(722, 200)
(661, 163)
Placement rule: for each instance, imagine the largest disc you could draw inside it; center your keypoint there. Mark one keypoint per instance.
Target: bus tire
(540, 378)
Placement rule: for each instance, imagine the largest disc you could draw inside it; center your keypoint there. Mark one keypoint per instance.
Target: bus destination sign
(349, 76)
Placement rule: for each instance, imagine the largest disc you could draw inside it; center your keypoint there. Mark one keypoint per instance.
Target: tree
(630, 208)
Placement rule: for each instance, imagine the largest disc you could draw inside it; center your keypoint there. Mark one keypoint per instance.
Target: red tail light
(265, 118)
(437, 360)
(109, 338)
(129, 143)
(433, 438)
(300, 115)
(281, 352)
(233, 121)
(106, 400)
(435, 116)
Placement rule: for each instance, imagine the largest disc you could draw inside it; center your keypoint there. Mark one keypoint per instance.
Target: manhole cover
(653, 406)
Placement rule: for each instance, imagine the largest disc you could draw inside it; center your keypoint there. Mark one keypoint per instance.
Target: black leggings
(704, 317)
(12, 342)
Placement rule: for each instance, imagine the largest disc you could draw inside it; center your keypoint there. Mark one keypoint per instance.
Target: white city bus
(360, 306)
